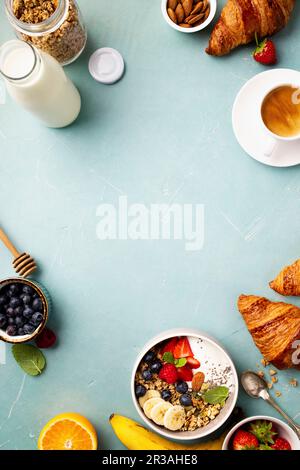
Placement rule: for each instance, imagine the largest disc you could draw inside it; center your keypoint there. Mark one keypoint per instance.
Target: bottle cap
(106, 65)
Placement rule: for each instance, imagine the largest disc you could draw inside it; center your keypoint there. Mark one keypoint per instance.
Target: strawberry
(46, 339)
(265, 52)
(193, 363)
(185, 374)
(281, 444)
(182, 349)
(169, 346)
(168, 373)
(264, 431)
(244, 440)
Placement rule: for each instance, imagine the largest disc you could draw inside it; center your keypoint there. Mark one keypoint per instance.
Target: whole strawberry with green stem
(265, 52)
(264, 431)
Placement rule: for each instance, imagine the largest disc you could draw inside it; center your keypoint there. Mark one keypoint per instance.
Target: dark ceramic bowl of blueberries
(24, 310)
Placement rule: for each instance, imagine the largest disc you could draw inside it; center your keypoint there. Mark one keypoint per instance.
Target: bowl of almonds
(189, 16)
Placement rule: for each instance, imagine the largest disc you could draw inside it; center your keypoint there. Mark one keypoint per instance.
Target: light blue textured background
(163, 134)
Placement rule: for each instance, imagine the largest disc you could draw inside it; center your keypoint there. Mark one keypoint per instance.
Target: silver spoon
(256, 387)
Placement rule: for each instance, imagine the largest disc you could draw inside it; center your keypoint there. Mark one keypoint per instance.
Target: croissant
(275, 329)
(241, 19)
(288, 280)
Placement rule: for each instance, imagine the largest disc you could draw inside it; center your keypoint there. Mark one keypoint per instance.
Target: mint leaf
(29, 358)
(216, 395)
(168, 357)
(180, 362)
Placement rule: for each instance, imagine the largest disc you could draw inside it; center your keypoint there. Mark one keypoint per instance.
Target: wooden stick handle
(9, 244)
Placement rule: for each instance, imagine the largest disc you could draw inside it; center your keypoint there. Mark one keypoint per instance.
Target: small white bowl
(214, 349)
(284, 431)
(213, 9)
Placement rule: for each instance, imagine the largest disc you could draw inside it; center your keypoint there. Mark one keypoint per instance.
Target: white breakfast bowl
(213, 9)
(212, 349)
(284, 431)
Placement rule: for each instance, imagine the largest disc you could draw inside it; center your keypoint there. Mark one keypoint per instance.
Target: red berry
(46, 339)
(244, 440)
(168, 373)
(193, 363)
(183, 349)
(265, 53)
(185, 374)
(281, 444)
(169, 346)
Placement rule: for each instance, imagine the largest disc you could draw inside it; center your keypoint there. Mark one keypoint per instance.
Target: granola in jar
(54, 26)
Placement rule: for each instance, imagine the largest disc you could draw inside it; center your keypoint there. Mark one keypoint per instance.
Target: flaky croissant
(241, 19)
(275, 329)
(288, 280)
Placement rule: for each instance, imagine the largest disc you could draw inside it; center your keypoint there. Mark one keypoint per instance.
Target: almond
(180, 13)
(195, 18)
(205, 5)
(184, 25)
(172, 4)
(172, 15)
(198, 381)
(198, 8)
(187, 6)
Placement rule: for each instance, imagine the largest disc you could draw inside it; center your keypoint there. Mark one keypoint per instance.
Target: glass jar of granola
(54, 26)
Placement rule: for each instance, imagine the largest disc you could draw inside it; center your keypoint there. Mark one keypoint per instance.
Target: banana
(158, 412)
(174, 418)
(135, 437)
(149, 394)
(150, 404)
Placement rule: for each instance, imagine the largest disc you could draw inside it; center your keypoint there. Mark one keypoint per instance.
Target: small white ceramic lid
(106, 65)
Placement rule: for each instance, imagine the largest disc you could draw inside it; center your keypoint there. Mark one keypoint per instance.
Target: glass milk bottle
(38, 83)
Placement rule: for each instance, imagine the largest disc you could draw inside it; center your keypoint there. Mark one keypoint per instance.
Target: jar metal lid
(106, 65)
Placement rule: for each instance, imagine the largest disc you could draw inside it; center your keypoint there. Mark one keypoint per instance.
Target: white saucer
(247, 127)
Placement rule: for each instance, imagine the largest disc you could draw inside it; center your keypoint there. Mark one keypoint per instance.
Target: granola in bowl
(179, 388)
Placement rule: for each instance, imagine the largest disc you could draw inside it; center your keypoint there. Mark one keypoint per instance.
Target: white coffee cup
(274, 139)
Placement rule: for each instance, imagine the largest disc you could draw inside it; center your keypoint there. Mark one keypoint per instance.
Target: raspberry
(168, 373)
(46, 339)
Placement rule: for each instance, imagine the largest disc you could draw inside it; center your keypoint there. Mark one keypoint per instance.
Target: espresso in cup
(281, 111)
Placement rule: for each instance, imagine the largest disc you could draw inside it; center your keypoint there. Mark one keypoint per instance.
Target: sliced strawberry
(244, 440)
(168, 373)
(185, 374)
(169, 346)
(193, 363)
(183, 349)
(281, 444)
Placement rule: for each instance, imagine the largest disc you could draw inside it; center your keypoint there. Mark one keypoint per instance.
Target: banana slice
(174, 418)
(151, 404)
(158, 412)
(149, 394)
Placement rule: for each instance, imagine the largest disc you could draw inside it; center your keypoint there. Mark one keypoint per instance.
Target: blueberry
(11, 321)
(28, 290)
(140, 391)
(37, 305)
(15, 302)
(21, 332)
(19, 311)
(26, 299)
(10, 312)
(182, 387)
(149, 357)
(3, 299)
(155, 366)
(146, 374)
(11, 330)
(37, 319)
(19, 321)
(186, 400)
(35, 295)
(13, 289)
(2, 321)
(28, 329)
(28, 312)
(166, 395)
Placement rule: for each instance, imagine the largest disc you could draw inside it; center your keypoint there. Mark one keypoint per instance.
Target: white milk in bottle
(38, 83)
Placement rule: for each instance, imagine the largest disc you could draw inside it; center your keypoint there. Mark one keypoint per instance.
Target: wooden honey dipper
(23, 263)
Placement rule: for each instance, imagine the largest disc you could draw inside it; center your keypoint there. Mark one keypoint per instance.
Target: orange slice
(68, 431)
